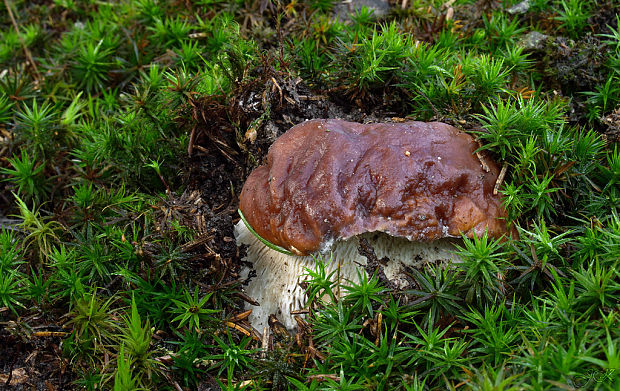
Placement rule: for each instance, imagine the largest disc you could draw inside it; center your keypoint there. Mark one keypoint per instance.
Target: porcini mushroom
(326, 182)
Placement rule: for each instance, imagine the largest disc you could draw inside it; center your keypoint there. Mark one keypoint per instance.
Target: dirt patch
(612, 126)
(34, 363)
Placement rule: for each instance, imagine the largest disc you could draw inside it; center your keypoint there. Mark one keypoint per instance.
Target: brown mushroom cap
(333, 179)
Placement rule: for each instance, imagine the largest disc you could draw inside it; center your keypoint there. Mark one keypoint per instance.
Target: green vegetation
(128, 127)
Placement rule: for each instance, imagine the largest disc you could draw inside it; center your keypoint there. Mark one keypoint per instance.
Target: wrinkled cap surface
(331, 179)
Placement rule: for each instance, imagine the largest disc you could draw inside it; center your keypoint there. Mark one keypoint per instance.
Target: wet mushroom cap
(330, 179)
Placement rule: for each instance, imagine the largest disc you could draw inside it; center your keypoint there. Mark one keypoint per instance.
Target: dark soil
(32, 359)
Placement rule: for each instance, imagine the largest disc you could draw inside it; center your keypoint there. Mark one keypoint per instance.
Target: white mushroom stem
(276, 285)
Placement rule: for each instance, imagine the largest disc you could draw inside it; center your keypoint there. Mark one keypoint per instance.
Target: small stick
(276, 85)
(241, 316)
(316, 353)
(246, 298)
(26, 51)
(202, 239)
(500, 178)
(313, 97)
(265, 342)
(200, 148)
(49, 334)
(301, 323)
(190, 145)
(379, 331)
(485, 167)
(241, 329)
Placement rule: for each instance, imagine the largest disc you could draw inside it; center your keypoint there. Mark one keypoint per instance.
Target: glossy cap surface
(331, 179)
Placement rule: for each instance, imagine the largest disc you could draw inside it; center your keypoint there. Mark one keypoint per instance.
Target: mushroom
(409, 187)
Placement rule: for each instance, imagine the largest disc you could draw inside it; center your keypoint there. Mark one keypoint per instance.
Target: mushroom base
(276, 285)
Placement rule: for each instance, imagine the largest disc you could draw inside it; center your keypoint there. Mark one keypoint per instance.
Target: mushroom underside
(276, 284)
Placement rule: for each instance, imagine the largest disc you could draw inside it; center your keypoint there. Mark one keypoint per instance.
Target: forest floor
(127, 130)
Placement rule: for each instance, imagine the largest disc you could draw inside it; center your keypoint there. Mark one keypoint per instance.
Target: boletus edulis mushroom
(411, 187)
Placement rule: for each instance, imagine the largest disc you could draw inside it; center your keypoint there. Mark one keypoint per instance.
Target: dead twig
(480, 156)
(276, 86)
(243, 330)
(202, 239)
(192, 138)
(241, 316)
(265, 342)
(379, 328)
(483, 162)
(246, 298)
(500, 178)
(313, 97)
(49, 334)
(37, 75)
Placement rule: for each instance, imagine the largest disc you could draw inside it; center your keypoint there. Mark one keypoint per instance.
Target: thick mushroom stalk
(276, 285)
(327, 181)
